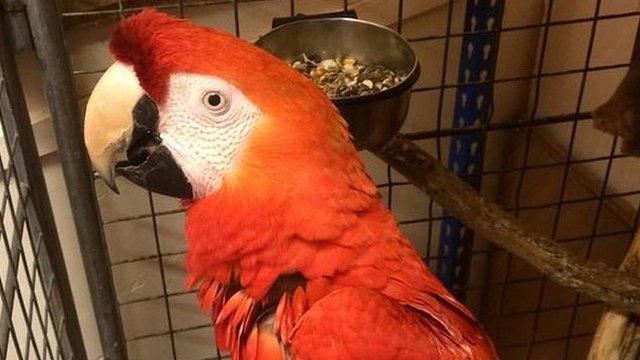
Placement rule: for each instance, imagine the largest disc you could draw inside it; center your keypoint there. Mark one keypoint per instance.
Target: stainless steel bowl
(373, 119)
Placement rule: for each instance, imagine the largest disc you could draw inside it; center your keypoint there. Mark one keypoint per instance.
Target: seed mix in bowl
(345, 77)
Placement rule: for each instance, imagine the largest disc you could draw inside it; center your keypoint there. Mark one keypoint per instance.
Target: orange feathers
(298, 202)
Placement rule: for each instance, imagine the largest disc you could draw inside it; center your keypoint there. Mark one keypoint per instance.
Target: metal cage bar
(33, 230)
(49, 45)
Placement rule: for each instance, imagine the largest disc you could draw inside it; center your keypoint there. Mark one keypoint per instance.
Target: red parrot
(292, 250)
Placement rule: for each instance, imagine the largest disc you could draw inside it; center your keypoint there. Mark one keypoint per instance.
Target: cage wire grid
(495, 291)
(26, 314)
(35, 320)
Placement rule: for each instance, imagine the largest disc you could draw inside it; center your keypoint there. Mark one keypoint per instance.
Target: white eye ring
(215, 102)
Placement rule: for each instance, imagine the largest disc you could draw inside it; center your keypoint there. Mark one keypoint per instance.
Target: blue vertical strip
(473, 108)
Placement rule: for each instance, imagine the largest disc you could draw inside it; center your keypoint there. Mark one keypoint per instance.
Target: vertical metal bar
(525, 157)
(400, 11)
(236, 18)
(389, 188)
(17, 29)
(10, 287)
(443, 80)
(635, 59)
(39, 202)
(120, 9)
(35, 272)
(181, 5)
(473, 108)
(30, 322)
(635, 55)
(48, 315)
(12, 330)
(389, 177)
(50, 48)
(163, 279)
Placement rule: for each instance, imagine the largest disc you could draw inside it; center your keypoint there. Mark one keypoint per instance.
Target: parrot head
(189, 111)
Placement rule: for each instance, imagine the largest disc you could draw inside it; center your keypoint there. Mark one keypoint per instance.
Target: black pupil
(214, 100)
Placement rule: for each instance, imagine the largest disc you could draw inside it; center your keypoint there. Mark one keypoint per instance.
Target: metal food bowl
(373, 119)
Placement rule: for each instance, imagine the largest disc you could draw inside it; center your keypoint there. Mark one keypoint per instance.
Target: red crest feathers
(158, 45)
(134, 42)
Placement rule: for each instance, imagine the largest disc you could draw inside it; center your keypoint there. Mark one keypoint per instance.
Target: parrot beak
(121, 119)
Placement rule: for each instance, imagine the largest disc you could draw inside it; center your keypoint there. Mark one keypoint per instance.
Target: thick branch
(488, 220)
(618, 333)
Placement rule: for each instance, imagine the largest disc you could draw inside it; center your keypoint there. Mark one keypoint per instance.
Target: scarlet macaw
(289, 244)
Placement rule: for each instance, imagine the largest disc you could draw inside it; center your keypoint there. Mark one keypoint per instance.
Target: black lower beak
(149, 164)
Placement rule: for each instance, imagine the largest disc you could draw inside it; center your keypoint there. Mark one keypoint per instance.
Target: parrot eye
(215, 102)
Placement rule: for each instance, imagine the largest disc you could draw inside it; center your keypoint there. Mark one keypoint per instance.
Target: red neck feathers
(291, 195)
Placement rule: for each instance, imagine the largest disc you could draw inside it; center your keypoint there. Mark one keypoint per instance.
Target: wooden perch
(491, 222)
(618, 334)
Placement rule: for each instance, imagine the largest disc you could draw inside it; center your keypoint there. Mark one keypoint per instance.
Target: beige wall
(566, 50)
(613, 43)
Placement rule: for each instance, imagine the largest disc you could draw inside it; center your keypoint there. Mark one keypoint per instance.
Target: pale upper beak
(120, 118)
(108, 122)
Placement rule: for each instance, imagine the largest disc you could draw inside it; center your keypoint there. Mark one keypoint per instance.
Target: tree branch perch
(617, 288)
(618, 334)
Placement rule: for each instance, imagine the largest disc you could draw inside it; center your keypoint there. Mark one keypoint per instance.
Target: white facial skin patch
(204, 124)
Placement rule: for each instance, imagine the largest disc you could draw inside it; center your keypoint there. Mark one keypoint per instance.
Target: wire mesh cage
(544, 65)
(37, 320)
